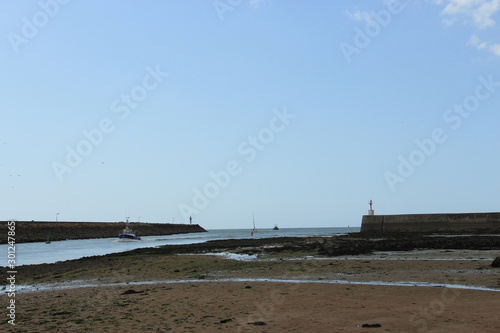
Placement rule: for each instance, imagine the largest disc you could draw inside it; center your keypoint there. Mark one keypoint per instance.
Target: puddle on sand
(424, 255)
(228, 255)
(88, 284)
(428, 255)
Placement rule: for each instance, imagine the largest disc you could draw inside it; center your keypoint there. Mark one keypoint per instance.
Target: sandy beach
(262, 289)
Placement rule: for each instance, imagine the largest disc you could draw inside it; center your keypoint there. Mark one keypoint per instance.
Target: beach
(267, 285)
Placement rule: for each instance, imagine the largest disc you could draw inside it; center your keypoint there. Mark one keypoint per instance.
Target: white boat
(128, 234)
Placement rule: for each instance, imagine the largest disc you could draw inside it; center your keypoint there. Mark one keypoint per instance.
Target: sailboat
(254, 229)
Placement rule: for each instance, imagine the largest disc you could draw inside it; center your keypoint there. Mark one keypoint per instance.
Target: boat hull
(129, 237)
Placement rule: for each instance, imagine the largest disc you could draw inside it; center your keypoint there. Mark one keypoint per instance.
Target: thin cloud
(474, 41)
(477, 13)
(255, 3)
(482, 16)
(480, 12)
(495, 48)
(455, 7)
(449, 22)
(359, 15)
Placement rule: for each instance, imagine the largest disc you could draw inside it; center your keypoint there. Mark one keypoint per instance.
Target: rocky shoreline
(26, 232)
(352, 244)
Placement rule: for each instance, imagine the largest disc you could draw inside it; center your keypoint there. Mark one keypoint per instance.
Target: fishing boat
(276, 227)
(128, 234)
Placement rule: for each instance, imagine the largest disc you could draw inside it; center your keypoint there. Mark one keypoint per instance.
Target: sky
(295, 112)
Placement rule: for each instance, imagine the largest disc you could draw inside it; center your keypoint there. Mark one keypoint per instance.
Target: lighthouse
(371, 212)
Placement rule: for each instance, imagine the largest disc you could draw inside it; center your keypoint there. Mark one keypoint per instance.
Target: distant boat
(128, 234)
(276, 227)
(254, 229)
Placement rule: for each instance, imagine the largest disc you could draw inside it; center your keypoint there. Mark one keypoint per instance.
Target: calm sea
(40, 253)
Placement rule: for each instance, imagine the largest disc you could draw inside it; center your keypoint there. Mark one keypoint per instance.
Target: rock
(62, 313)
(131, 291)
(371, 325)
(223, 321)
(496, 262)
(257, 323)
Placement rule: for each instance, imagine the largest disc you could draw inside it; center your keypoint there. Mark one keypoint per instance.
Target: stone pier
(487, 223)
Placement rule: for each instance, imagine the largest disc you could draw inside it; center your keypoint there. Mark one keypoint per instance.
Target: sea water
(42, 253)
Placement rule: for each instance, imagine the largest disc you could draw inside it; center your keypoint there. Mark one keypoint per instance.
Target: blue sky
(299, 112)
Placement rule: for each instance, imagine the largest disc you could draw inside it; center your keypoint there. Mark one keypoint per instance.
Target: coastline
(286, 283)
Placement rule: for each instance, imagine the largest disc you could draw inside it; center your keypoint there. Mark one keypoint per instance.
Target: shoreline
(353, 244)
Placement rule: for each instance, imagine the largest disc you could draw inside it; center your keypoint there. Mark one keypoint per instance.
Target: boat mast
(253, 225)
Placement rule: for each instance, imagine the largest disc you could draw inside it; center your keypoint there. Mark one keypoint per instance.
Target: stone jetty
(39, 231)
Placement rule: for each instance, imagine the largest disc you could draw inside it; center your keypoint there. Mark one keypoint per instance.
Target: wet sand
(309, 292)
(240, 306)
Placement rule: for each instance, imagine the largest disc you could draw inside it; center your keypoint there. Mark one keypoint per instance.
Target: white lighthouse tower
(371, 212)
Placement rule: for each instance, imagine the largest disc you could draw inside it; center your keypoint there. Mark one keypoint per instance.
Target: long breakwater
(40, 231)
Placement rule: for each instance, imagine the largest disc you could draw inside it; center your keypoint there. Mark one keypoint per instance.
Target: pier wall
(449, 223)
(39, 231)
